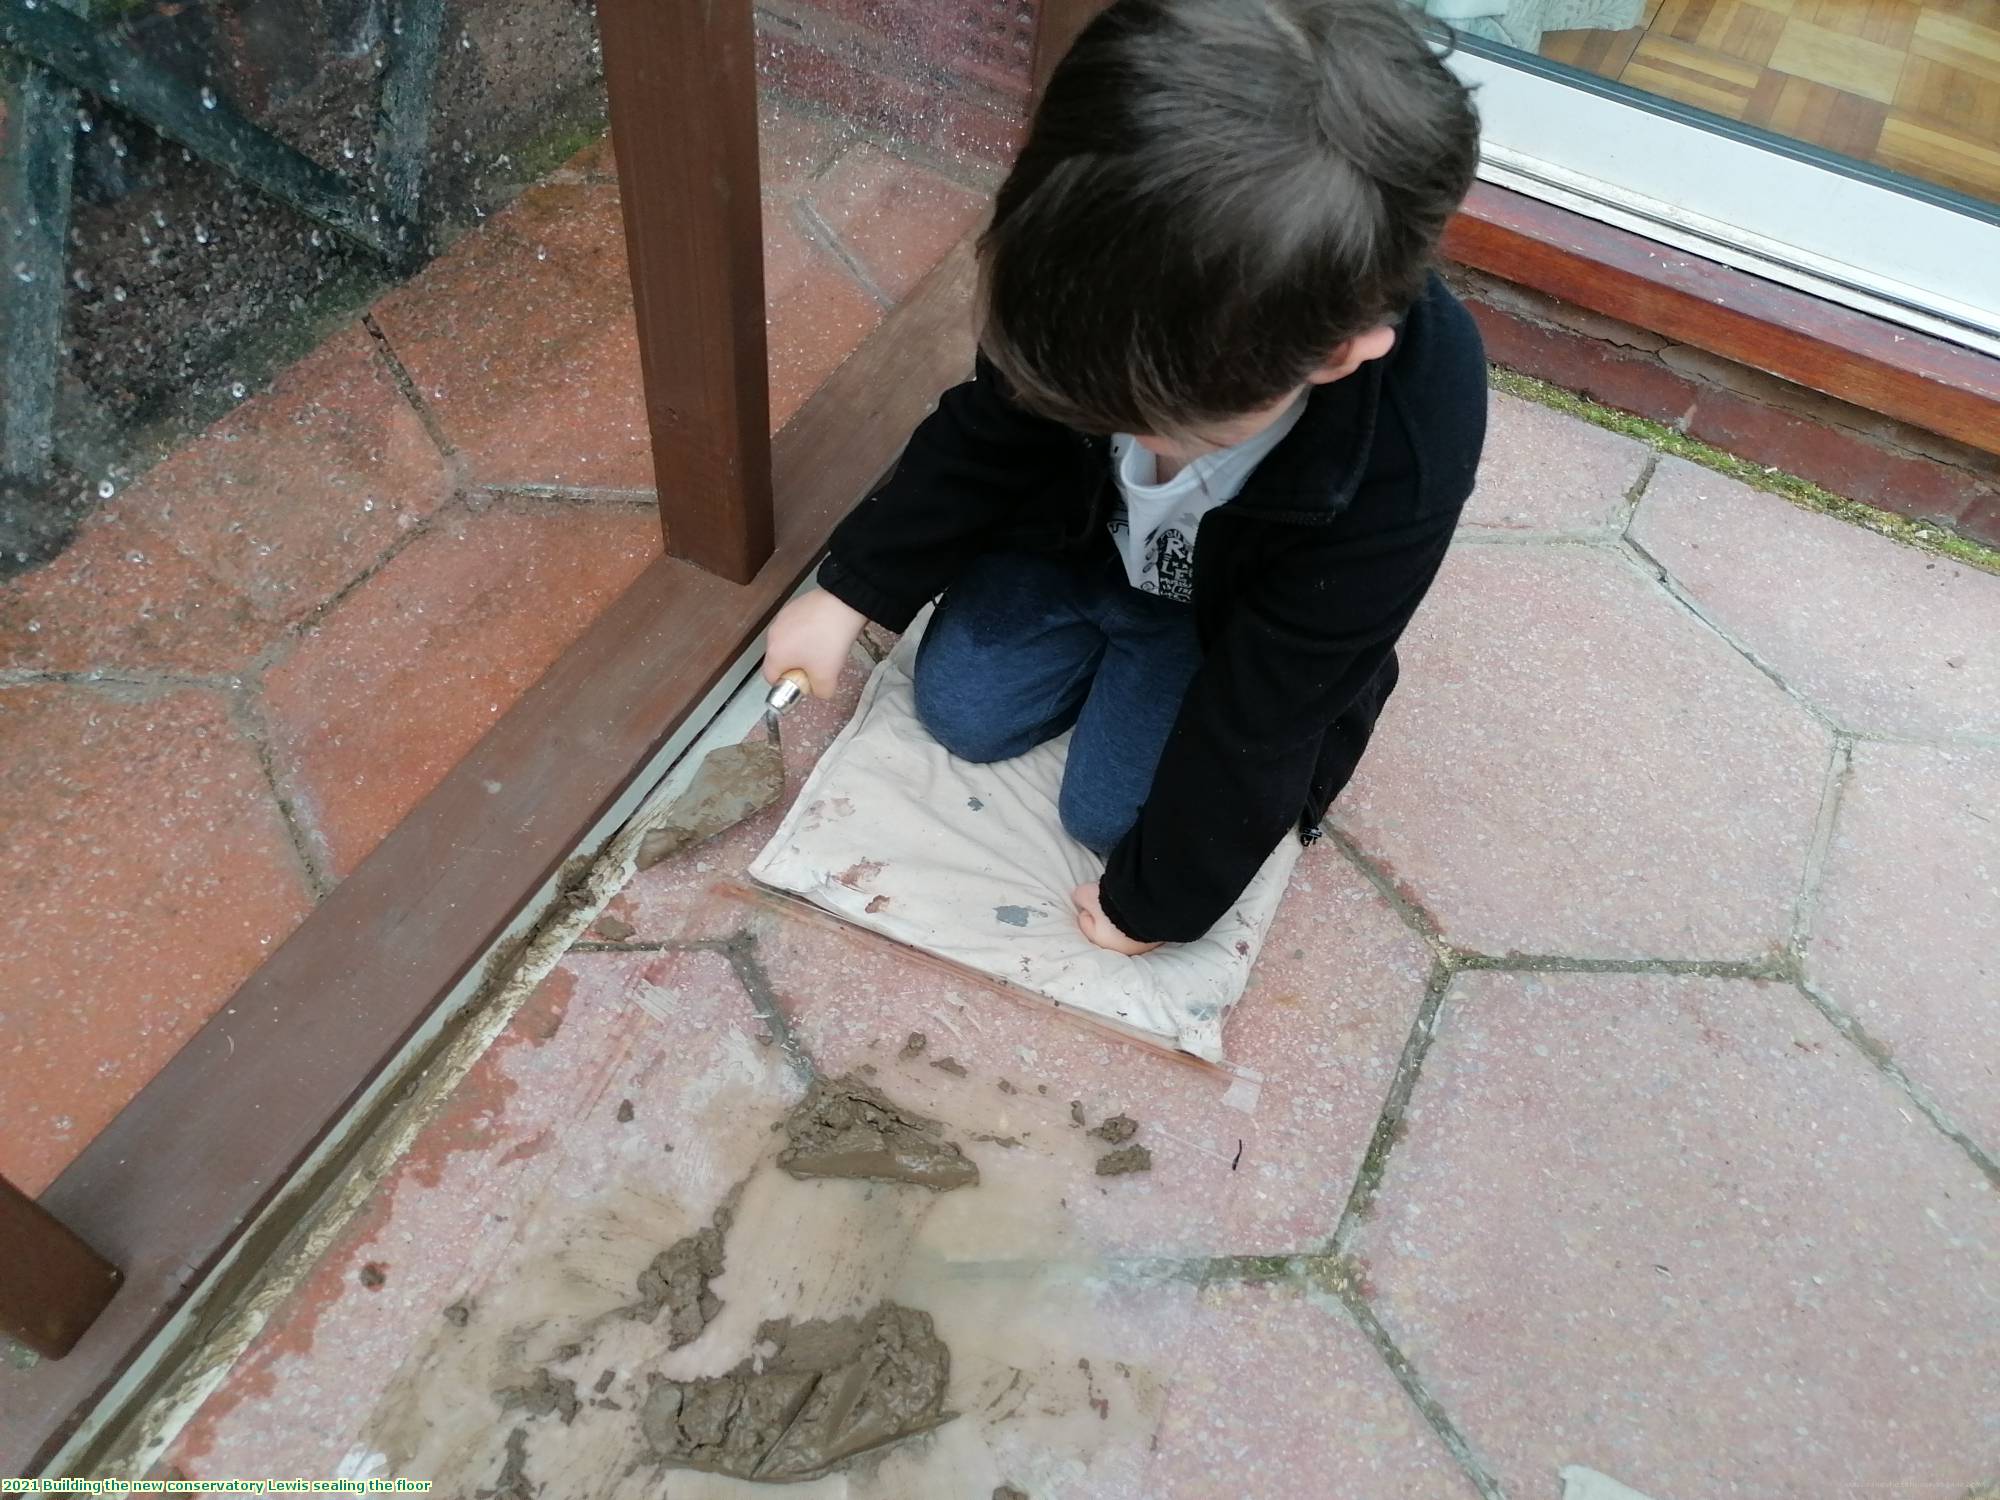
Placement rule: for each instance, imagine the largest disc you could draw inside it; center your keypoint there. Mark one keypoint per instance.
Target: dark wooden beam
(403, 118)
(39, 112)
(1881, 366)
(52, 1285)
(195, 116)
(171, 1183)
(682, 84)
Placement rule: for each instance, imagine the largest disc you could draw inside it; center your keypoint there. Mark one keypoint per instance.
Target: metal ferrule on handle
(786, 691)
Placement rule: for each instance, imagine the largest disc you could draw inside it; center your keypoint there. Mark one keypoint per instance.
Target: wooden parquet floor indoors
(1911, 84)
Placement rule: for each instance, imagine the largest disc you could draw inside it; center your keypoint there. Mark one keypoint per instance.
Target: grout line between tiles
(1656, 572)
(1389, 1123)
(1839, 770)
(1345, 1289)
(143, 681)
(1877, 1053)
(247, 712)
(1628, 507)
(282, 645)
(1414, 916)
(1776, 967)
(1929, 742)
(824, 237)
(407, 384)
(540, 496)
(740, 949)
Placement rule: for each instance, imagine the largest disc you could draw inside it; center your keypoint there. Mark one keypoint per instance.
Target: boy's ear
(1353, 354)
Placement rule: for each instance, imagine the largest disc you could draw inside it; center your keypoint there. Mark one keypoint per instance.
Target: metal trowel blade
(732, 783)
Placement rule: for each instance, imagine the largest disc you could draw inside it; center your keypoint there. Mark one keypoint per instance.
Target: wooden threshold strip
(168, 1187)
(1881, 366)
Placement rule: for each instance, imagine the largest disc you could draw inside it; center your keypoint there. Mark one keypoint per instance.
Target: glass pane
(886, 125)
(325, 436)
(1910, 87)
(291, 511)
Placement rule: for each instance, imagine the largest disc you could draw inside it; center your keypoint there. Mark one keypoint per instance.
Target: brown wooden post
(682, 83)
(1056, 27)
(52, 1285)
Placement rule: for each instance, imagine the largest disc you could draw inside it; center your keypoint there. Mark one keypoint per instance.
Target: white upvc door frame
(1912, 253)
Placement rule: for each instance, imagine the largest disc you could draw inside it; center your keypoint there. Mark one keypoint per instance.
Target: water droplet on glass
(236, 390)
(207, 97)
(106, 489)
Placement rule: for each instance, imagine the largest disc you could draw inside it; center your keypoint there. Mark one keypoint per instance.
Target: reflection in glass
(1910, 85)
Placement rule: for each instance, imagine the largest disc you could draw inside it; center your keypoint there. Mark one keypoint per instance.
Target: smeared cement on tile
(846, 1128)
(809, 1398)
(875, 1298)
(733, 783)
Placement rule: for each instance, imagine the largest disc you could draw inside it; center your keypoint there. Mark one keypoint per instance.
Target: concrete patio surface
(1620, 1091)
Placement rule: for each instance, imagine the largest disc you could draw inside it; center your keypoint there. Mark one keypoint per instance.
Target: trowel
(732, 783)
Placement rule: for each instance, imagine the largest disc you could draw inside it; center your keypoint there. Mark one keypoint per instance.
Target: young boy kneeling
(1221, 427)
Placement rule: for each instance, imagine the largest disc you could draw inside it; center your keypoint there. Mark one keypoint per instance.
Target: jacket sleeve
(968, 469)
(1299, 651)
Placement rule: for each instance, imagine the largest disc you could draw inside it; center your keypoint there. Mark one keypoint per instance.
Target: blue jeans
(1024, 647)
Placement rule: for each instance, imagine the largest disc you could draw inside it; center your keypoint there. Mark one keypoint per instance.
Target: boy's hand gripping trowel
(732, 783)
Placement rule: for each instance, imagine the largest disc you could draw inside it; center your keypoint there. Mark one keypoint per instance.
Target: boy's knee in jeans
(958, 720)
(1096, 822)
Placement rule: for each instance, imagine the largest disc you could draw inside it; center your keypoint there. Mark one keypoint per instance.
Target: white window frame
(1922, 257)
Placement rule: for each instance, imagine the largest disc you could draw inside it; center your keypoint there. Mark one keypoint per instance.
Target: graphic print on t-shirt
(1154, 528)
(1173, 564)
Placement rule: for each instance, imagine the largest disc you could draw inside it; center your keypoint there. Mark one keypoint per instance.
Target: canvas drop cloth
(970, 863)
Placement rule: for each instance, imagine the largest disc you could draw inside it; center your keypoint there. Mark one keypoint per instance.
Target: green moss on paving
(1923, 535)
(580, 126)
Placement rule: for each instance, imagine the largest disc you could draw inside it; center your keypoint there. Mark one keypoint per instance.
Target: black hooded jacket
(1302, 584)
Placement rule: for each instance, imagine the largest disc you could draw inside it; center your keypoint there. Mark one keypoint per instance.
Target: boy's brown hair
(1214, 195)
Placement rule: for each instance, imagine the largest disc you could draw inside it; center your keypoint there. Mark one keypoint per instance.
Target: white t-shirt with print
(1154, 528)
